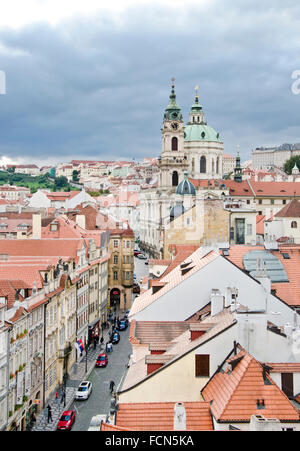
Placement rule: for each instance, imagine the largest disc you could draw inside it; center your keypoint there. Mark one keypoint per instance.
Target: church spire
(238, 176)
(173, 111)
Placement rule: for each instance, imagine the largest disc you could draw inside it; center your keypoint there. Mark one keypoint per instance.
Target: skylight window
(273, 266)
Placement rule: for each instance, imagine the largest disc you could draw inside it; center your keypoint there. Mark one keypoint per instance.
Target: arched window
(203, 165)
(294, 225)
(175, 178)
(213, 166)
(174, 143)
(217, 166)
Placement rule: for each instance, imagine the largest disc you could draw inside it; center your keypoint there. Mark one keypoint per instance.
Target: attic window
(186, 270)
(225, 252)
(184, 265)
(286, 256)
(283, 191)
(234, 362)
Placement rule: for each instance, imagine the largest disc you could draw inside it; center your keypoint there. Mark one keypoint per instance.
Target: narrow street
(99, 400)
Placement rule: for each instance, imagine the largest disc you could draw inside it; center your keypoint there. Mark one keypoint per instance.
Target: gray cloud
(94, 88)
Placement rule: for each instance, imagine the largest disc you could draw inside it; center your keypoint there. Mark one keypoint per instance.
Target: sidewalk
(78, 374)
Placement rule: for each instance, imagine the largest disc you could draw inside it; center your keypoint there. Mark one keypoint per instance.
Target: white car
(142, 257)
(84, 390)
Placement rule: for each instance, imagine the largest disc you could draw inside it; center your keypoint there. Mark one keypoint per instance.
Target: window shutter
(202, 365)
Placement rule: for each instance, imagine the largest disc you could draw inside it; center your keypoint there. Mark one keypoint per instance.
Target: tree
(75, 175)
(61, 182)
(290, 164)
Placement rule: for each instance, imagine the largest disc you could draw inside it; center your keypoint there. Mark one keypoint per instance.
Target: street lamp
(86, 354)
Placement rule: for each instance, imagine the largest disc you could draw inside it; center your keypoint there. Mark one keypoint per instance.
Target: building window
(249, 229)
(202, 365)
(115, 259)
(175, 178)
(174, 143)
(294, 225)
(116, 243)
(260, 201)
(203, 165)
(115, 275)
(284, 201)
(272, 201)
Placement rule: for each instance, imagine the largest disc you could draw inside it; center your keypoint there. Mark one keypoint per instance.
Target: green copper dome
(200, 132)
(186, 187)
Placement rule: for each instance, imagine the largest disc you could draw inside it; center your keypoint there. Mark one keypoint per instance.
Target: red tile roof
(291, 210)
(233, 393)
(160, 416)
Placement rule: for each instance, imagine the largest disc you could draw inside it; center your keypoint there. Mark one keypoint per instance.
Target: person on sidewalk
(63, 396)
(111, 386)
(49, 413)
(56, 398)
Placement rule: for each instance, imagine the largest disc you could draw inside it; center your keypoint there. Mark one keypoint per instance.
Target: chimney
(179, 417)
(80, 221)
(217, 302)
(288, 330)
(36, 226)
(258, 423)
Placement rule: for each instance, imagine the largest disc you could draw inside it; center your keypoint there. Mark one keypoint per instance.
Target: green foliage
(61, 182)
(289, 164)
(75, 176)
(34, 183)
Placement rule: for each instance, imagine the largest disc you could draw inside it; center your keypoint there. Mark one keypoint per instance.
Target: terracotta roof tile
(160, 416)
(233, 393)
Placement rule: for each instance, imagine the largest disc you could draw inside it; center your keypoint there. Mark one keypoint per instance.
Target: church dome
(200, 132)
(186, 187)
(197, 129)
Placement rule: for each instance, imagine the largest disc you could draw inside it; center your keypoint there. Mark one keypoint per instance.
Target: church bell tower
(173, 161)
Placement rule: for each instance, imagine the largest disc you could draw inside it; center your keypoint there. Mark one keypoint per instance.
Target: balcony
(63, 353)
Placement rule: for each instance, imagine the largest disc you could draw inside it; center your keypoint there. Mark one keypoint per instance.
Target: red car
(136, 252)
(66, 420)
(102, 360)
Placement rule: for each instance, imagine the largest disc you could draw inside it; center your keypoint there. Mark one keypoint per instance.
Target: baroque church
(189, 152)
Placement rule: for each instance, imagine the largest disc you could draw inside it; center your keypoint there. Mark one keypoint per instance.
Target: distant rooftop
(285, 146)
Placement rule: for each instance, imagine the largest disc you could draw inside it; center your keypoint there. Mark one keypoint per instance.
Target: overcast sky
(84, 81)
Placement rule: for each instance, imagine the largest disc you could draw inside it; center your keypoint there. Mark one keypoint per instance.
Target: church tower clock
(173, 161)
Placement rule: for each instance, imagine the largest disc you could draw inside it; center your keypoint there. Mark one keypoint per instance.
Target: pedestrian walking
(63, 396)
(111, 386)
(56, 397)
(49, 413)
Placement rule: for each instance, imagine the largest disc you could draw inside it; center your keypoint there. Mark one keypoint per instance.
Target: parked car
(142, 256)
(115, 338)
(102, 360)
(136, 288)
(136, 252)
(123, 324)
(66, 420)
(84, 390)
